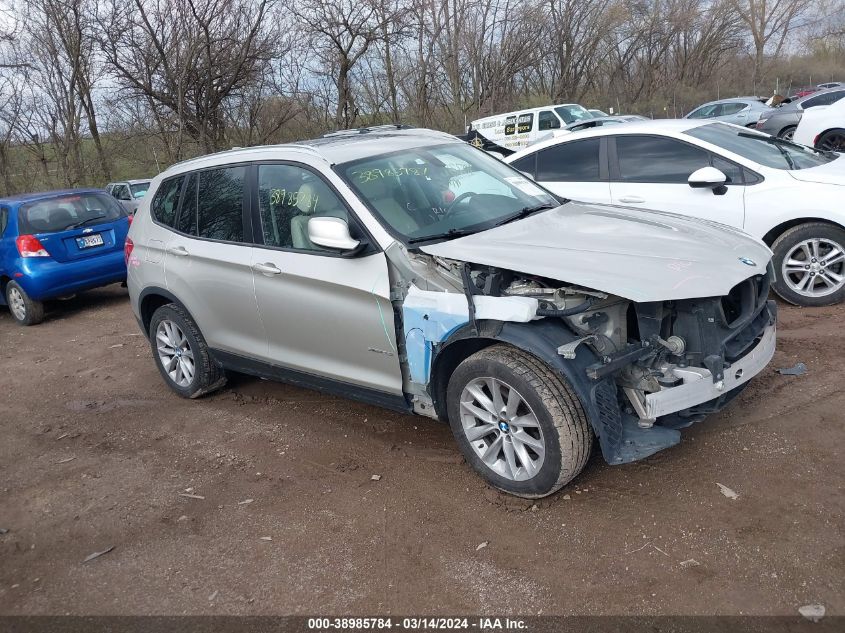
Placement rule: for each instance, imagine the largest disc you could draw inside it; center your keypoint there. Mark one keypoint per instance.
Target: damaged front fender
(542, 338)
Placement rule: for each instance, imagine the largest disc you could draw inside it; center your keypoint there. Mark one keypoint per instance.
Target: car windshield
(443, 191)
(763, 149)
(570, 113)
(69, 211)
(704, 111)
(139, 189)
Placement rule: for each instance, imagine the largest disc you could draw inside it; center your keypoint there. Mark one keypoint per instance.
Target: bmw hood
(832, 173)
(636, 254)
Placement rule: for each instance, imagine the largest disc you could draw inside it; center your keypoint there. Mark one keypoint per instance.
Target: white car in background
(823, 127)
(521, 128)
(787, 195)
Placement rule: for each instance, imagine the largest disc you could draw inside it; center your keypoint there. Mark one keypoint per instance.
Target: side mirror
(331, 233)
(707, 178)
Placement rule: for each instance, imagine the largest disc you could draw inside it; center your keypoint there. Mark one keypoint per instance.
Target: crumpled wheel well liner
(540, 338)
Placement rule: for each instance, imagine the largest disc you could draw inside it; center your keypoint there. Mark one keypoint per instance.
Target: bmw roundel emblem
(747, 261)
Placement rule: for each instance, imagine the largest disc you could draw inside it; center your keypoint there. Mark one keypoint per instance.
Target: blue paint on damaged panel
(432, 317)
(424, 327)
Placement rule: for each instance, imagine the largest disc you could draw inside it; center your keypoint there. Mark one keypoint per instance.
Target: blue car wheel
(25, 311)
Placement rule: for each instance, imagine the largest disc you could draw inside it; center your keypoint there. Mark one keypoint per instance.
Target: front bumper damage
(652, 421)
(698, 384)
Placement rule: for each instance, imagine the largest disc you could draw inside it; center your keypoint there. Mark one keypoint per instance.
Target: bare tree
(84, 83)
(769, 22)
(344, 31)
(188, 57)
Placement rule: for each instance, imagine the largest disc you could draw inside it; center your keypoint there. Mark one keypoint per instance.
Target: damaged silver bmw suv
(407, 269)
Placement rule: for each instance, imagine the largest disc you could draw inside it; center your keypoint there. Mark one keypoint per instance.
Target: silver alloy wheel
(815, 267)
(502, 429)
(787, 136)
(17, 304)
(175, 353)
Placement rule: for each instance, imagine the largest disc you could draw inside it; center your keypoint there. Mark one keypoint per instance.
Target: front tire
(809, 262)
(24, 310)
(181, 353)
(517, 422)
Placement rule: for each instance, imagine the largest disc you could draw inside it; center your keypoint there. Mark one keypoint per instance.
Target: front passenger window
(288, 196)
(731, 108)
(658, 160)
(548, 121)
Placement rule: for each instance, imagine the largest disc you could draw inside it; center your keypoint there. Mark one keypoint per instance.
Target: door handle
(181, 251)
(266, 269)
(631, 200)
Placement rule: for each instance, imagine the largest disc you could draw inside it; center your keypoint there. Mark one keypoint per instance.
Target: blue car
(58, 243)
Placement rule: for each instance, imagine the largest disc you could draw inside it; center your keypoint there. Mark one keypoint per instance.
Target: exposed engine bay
(665, 363)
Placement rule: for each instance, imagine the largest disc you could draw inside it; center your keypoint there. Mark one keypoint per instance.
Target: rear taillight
(130, 217)
(128, 245)
(29, 246)
(816, 140)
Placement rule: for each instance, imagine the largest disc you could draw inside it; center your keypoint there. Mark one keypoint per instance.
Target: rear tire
(24, 310)
(832, 141)
(809, 262)
(787, 133)
(538, 442)
(181, 353)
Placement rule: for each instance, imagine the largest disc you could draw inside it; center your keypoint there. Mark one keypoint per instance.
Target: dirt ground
(96, 453)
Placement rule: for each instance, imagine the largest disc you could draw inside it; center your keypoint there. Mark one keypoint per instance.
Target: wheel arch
(791, 126)
(151, 299)
(775, 232)
(541, 339)
(828, 131)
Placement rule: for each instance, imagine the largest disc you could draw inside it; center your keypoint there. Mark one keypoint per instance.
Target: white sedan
(823, 127)
(787, 195)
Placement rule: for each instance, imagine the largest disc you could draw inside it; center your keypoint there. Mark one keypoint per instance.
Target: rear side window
(824, 99)
(187, 221)
(166, 201)
(68, 212)
(510, 125)
(524, 123)
(570, 162)
(4, 219)
(658, 160)
(220, 195)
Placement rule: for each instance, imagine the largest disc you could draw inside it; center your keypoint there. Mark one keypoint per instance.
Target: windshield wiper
(76, 225)
(451, 233)
(440, 236)
(524, 213)
(777, 142)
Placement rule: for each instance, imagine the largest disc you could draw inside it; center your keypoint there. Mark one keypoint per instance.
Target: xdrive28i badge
(747, 261)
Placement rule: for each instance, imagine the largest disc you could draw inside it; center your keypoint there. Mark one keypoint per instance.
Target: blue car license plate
(88, 241)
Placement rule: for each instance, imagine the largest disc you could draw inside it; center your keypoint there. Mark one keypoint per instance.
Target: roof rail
(365, 130)
(293, 146)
